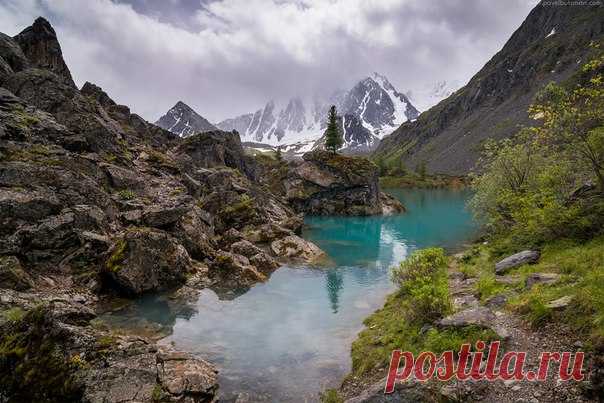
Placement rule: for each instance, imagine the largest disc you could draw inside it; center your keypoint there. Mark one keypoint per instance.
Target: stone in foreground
(516, 260)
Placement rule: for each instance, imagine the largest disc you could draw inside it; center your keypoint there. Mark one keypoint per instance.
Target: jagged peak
(41, 46)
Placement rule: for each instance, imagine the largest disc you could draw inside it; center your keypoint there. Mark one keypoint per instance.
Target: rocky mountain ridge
(548, 46)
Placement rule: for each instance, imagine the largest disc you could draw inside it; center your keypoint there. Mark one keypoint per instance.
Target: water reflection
(287, 339)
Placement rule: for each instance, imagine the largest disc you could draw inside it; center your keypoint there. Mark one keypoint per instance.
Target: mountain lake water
(289, 338)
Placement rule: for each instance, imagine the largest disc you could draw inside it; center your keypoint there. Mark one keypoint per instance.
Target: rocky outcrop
(516, 260)
(94, 202)
(41, 47)
(146, 260)
(52, 353)
(330, 184)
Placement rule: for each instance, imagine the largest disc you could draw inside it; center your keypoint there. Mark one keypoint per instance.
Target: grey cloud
(226, 57)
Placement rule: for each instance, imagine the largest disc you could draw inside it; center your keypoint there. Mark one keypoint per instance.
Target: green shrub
(126, 194)
(423, 277)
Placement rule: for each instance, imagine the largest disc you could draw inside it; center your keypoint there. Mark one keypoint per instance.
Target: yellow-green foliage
(126, 194)
(331, 396)
(13, 314)
(157, 394)
(244, 205)
(422, 277)
(581, 269)
(527, 184)
(422, 298)
(32, 366)
(117, 257)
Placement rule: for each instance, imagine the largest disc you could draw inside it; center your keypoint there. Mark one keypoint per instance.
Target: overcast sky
(227, 57)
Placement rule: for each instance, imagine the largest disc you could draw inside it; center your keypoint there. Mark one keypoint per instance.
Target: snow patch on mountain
(430, 95)
(372, 109)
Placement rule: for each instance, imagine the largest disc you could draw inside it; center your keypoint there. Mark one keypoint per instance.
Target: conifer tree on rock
(333, 136)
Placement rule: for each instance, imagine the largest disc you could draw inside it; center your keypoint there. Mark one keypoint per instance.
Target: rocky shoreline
(97, 203)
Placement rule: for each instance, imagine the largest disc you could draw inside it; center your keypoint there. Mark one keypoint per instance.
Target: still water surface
(289, 338)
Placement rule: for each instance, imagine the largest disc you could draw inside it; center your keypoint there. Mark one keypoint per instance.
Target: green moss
(157, 394)
(117, 257)
(126, 194)
(331, 396)
(32, 365)
(244, 205)
(13, 314)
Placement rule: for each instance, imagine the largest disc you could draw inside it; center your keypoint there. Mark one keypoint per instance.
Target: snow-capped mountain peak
(370, 110)
(181, 119)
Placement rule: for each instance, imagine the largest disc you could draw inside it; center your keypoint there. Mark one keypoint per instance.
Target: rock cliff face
(330, 184)
(548, 46)
(94, 202)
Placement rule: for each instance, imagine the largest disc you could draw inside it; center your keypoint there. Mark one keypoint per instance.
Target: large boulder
(231, 270)
(146, 260)
(516, 260)
(209, 150)
(332, 184)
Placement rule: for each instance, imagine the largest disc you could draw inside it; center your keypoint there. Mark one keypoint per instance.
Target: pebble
(516, 388)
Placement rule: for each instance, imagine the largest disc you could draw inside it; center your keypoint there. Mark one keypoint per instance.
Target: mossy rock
(33, 368)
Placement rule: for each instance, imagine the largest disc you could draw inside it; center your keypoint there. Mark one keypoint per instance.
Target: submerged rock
(518, 259)
(234, 270)
(295, 248)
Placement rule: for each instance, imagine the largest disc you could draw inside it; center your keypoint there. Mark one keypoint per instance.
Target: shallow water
(289, 338)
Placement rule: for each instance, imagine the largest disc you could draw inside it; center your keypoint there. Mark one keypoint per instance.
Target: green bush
(423, 277)
(527, 186)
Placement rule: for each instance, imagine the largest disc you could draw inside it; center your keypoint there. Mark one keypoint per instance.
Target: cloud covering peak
(226, 57)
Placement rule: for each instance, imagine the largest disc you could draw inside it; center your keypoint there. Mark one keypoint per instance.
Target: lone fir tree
(333, 137)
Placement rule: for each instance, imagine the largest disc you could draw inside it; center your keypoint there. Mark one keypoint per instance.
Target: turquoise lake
(289, 338)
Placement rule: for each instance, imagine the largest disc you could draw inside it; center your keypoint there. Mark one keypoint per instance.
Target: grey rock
(146, 260)
(541, 278)
(233, 270)
(295, 248)
(264, 263)
(327, 184)
(479, 316)
(40, 45)
(245, 248)
(516, 260)
(407, 392)
(560, 303)
(496, 301)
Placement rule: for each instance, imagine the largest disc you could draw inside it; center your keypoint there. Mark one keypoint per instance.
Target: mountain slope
(548, 46)
(370, 110)
(184, 121)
